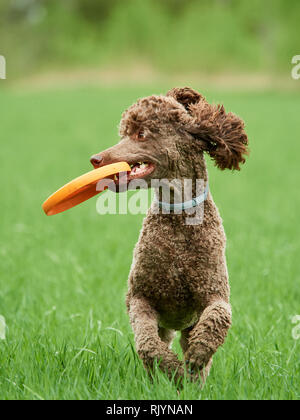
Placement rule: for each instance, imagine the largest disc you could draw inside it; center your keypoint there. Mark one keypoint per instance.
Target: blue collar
(187, 204)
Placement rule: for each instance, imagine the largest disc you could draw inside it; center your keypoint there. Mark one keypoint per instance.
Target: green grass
(63, 279)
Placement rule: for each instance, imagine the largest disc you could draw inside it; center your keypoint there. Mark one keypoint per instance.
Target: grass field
(63, 279)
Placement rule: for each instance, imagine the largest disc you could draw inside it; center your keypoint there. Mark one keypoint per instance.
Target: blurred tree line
(173, 35)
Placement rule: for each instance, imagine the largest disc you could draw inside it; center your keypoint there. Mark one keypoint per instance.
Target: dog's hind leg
(150, 344)
(167, 336)
(184, 339)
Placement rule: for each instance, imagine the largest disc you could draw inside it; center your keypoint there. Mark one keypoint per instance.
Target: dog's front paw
(197, 357)
(198, 360)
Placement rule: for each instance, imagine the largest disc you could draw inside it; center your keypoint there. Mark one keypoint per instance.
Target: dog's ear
(222, 134)
(185, 96)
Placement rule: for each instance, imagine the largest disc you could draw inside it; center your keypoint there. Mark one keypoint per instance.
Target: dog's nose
(96, 160)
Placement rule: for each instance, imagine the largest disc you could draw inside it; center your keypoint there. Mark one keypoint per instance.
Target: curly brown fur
(178, 279)
(224, 135)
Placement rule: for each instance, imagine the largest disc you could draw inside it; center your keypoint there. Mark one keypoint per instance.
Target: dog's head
(163, 136)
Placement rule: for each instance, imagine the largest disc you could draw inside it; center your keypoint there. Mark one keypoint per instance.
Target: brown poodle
(178, 279)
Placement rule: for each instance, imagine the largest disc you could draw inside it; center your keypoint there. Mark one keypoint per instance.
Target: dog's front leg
(207, 335)
(149, 345)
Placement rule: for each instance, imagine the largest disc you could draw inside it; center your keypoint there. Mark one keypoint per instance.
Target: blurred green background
(169, 35)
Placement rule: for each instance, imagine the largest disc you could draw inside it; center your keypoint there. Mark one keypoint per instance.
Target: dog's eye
(141, 135)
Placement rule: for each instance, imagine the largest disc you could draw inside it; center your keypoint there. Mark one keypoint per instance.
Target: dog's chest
(165, 263)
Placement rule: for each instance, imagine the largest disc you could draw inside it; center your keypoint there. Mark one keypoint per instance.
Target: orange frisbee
(81, 188)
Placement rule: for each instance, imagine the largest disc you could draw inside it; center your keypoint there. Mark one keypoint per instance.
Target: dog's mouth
(139, 170)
